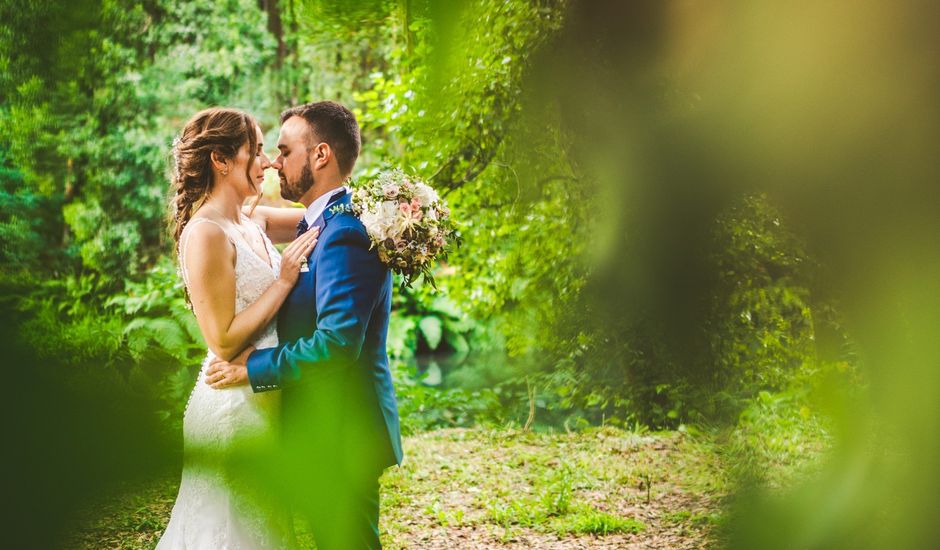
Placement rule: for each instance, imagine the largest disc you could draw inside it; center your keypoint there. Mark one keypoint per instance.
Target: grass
(480, 488)
(588, 521)
(495, 489)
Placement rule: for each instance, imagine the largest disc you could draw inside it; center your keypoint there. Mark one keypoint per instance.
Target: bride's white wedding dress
(221, 504)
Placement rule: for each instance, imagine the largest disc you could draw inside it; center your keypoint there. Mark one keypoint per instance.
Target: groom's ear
(322, 154)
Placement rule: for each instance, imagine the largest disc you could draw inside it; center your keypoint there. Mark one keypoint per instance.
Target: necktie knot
(302, 226)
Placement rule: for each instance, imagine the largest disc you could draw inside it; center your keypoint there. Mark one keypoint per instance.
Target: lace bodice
(253, 275)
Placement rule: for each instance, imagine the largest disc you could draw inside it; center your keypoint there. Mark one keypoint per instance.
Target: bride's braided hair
(221, 130)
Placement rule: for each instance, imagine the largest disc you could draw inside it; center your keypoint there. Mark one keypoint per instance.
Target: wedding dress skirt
(223, 503)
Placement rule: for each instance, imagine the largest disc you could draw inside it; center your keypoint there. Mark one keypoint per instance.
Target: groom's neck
(318, 191)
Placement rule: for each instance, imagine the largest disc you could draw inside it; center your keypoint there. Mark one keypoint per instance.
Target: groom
(340, 416)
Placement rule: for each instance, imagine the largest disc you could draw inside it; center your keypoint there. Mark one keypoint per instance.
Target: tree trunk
(406, 22)
(275, 28)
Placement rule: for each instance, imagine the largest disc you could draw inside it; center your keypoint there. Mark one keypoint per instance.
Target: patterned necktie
(302, 226)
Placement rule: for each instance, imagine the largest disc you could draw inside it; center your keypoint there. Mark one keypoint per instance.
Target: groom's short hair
(334, 124)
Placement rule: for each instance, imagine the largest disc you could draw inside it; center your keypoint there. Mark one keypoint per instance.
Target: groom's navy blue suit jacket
(331, 362)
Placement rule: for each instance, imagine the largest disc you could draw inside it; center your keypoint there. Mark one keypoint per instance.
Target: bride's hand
(294, 256)
(224, 374)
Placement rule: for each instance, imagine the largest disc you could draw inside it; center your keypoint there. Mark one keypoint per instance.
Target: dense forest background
(710, 217)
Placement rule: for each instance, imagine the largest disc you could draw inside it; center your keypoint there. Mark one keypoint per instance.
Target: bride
(236, 281)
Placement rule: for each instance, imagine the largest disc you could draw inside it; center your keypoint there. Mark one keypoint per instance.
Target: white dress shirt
(318, 206)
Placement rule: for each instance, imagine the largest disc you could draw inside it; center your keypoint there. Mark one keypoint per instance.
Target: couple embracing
(294, 411)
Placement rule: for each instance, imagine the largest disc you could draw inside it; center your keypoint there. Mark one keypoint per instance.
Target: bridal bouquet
(407, 222)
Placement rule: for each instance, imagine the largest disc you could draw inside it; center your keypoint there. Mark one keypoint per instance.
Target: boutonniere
(337, 208)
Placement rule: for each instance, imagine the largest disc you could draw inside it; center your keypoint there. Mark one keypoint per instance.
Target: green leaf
(188, 321)
(432, 329)
(462, 325)
(165, 332)
(135, 324)
(168, 334)
(401, 335)
(446, 306)
(458, 342)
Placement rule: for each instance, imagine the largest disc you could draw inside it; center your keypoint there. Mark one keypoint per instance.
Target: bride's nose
(265, 162)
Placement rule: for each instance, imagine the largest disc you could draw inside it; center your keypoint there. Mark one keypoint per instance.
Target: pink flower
(405, 208)
(390, 190)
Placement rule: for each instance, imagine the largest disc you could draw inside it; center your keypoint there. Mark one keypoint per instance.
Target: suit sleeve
(350, 279)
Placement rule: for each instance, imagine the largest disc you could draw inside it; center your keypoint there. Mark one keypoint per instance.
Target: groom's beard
(292, 191)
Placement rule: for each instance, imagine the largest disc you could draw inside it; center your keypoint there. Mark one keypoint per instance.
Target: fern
(163, 331)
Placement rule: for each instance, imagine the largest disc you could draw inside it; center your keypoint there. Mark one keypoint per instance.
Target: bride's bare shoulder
(205, 236)
(206, 252)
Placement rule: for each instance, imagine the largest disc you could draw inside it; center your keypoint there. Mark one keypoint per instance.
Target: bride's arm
(279, 223)
(209, 259)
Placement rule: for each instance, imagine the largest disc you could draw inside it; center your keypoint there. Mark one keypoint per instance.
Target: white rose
(377, 230)
(390, 190)
(425, 194)
(388, 211)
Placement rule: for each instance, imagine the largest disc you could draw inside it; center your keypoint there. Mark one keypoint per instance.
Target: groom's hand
(225, 374)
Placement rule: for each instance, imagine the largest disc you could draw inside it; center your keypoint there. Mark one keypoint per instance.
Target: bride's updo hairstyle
(221, 130)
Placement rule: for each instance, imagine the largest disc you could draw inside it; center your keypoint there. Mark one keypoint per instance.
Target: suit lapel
(321, 221)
